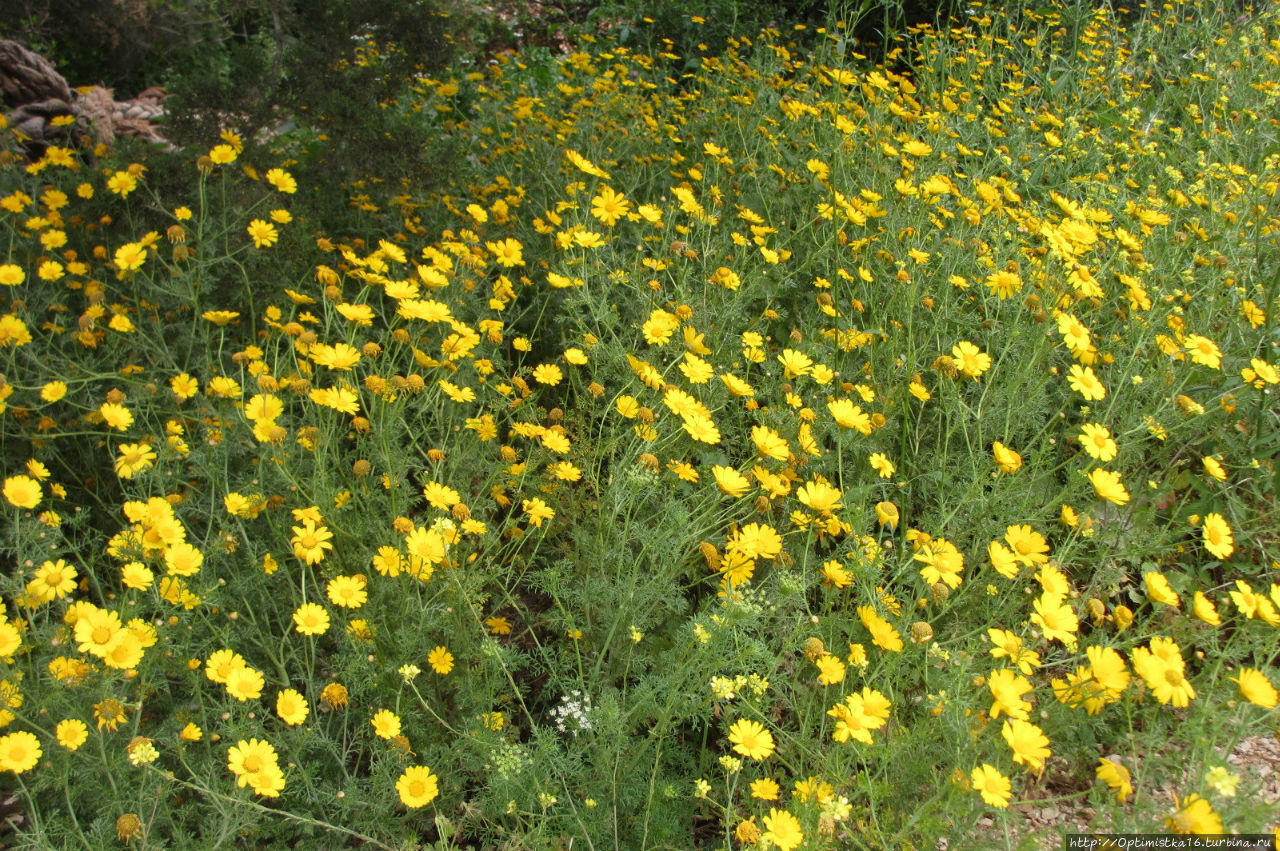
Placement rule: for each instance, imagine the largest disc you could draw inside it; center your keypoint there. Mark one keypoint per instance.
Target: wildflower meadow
(788, 446)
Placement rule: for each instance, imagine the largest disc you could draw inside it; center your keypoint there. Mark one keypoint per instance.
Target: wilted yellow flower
(1007, 459)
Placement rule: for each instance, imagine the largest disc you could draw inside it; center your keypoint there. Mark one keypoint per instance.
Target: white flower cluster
(574, 713)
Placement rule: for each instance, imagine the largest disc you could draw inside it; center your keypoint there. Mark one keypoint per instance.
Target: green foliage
(686, 460)
(124, 46)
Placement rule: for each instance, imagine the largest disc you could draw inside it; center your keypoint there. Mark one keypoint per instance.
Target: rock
(38, 93)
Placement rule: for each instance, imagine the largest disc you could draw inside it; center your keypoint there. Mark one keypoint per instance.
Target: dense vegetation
(770, 447)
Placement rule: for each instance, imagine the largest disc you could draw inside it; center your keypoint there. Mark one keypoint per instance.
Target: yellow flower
(1097, 441)
(348, 591)
(830, 669)
(53, 391)
(991, 784)
(268, 783)
(1256, 688)
(610, 206)
(1029, 546)
(537, 511)
(440, 660)
(1107, 485)
(567, 472)
(247, 758)
(71, 733)
(311, 619)
(859, 714)
(245, 683)
(1161, 666)
(1218, 540)
(782, 829)
(13, 332)
(22, 491)
(1052, 580)
(1008, 460)
(386, 724)
(970, 360)
(417, 786)
(1084, 382)
(1202, 607)
(1003, 561)
(182, 559)
(765, 789)
(751, 739)
(627, 406)
(1003, 284)
(122, 183)
(222, 154)
(98, 631)
(1203, 351)
(125, 654)
(882, 465)
(943, 563)
(507, 252)
(11, 275)
(794, 363)
(659, 327)
(848, 415)
(756, 540)
(1007, 688)
(548, 374)
(819, 495)
(1222, 781)
(221, 663)
(311, 541)
(110, 714)
(292, 707)
(133, 458)
(1055, 618)
(1116, 776)
(116, 416)
(334, 696)
(183, 386)
(883, 634)
(1260, 373)
(50, 270)
(746, 832)
(835, 575)
(1159, 591)
(1194, 815)
(440, 496)
(340, 356)
(585, 165)
(19, 752)
(53, 580)
(130, 257)
(281, 180)
(1028, 742)
(263, 233)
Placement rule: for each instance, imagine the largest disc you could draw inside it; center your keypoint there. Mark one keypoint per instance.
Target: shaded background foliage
(340, 69)
(243, 57)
